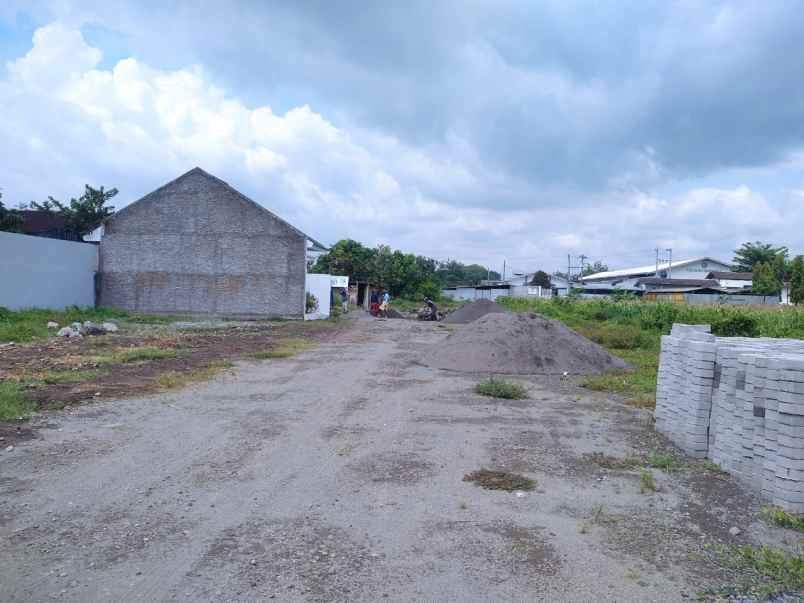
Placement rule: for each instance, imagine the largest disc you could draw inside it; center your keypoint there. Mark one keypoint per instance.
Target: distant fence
(46, 273)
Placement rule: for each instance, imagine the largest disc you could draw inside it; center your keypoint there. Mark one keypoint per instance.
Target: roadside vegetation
(632, 330)
(13, 402)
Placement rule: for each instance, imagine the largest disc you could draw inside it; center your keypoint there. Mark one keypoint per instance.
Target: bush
(739, 325)
(311, 303)
(430, 289)
(497, 388)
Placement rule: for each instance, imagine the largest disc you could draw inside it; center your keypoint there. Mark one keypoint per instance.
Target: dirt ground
(195, 348)
(338, 475)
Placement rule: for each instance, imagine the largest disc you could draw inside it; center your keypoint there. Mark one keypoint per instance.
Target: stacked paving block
(740, 402)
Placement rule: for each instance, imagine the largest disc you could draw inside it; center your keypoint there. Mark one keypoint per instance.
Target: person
(374, 309)
(386, 299)
(432, 307)
(344, 300)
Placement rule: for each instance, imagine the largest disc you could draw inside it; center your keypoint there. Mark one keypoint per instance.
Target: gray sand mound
(521, 344)
(392, 313)
(473, 311)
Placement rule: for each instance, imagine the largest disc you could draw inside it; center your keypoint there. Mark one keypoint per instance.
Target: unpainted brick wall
(196, 246)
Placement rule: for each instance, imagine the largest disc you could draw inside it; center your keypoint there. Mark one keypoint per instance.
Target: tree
(765, 281)
(750, 254)
(346, 258)
(780, 267)
(797, 280)
(594, 269)
(84, 214)
(10, 219)
(540, 279)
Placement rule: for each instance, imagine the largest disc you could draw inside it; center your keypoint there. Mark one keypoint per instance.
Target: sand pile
(521, 344)
(471, 312)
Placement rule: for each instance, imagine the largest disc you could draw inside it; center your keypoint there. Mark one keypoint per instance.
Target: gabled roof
(199, 171)
(647, 270)
(732, 276)
(688, 290)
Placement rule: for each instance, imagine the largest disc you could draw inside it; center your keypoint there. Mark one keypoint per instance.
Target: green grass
(782, 518)
(143, 353)
(27, 325)
(663, 461)
(498, 388)
(176, 379)
(647, 483)
(763, 571)
(13, 402)
(60, 377)
(284, 348)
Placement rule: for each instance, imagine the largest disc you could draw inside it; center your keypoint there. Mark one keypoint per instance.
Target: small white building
(733, 280)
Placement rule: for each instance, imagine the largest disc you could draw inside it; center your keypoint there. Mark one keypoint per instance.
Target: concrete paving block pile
(740, 402)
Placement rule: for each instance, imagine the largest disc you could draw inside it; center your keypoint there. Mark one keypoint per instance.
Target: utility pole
(657, 262)
(581, 258)
(503, 274)
(669, 262)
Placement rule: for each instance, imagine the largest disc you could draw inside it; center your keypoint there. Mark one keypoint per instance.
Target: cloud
(464, 130)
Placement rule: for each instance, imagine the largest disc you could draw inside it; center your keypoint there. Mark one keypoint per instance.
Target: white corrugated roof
(645, 270)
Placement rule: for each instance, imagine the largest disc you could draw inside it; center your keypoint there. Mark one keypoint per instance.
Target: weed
(143, 353)
(284, 348)
(711, 466)
(611, 462)
(782, 518)
(176, 379)
(763, 571)
(463, 506)
(646, 482)
(59, 377)
(663, 461)
(13, 403)
(500, 480)
(498, 388)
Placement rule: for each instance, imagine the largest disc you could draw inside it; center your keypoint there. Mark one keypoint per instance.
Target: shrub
(497, 388)
(311, 303)
(738, 325)
(430, 289)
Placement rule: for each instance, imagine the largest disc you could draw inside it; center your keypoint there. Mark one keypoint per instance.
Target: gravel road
(337, 476)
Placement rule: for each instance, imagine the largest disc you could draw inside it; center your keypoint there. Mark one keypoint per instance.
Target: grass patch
(177, 379)
(142, 353)
(647, 483)
(13, 402)
(28, 325)
(499, 388)
(711, 466)
(763, 571)
(782, 518)
(611, 462)
(638, 385)
(500, 480)
(60, 377)
(663, 461)
(284, 348)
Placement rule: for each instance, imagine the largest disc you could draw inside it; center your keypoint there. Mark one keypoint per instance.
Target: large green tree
(751, 254)
(765, 280)
(797, 280)
(594, 269)
(10, 219)
(84, 214)
(540, 279)
(346, 258)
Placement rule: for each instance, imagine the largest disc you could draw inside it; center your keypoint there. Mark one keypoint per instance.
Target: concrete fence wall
(739, 402)
(46, 273)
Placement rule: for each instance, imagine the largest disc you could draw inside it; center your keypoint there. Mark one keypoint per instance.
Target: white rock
(735, 531)
(110, 327)
(9, 448)
(52, 324)
(65, 332)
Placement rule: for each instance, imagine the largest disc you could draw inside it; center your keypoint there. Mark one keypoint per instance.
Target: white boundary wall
(36, 272)
(319, 285)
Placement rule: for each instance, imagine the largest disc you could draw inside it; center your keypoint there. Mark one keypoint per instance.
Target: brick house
(198, 246)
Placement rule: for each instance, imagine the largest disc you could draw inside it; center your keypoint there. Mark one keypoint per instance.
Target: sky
(488, 132)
